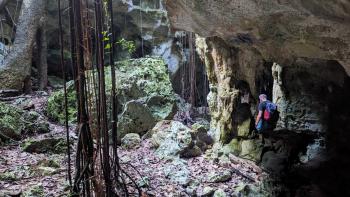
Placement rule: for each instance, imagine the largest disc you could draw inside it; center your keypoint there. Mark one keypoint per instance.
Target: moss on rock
(55, 105)
(52, 145)
(144, 91)
(11, 124)
(14, 121)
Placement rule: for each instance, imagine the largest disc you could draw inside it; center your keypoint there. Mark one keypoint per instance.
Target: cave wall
(144, 22)
(236, 77)
(303, 92)
(280, 30)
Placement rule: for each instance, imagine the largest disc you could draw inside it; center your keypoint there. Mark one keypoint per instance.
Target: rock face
(235, 75)
(303, 90)
(143, 22)
(296, 52)
(280, 30)
(144, 93)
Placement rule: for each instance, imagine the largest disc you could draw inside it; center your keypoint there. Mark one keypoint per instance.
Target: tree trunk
(42, 55)
(17, 65)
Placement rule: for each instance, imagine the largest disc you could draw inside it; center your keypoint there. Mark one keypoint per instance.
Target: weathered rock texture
(235, 75)
(280, 30)
(143, 22)
(309, 41)
(14, 122)
(144, 93)
(16, 67)
(172, 138)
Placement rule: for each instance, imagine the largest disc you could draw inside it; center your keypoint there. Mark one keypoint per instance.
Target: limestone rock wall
(303, 92)
(236, 77)
(143, 21)
(280, 30)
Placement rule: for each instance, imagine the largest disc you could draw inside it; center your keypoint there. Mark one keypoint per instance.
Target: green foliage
(128, 45)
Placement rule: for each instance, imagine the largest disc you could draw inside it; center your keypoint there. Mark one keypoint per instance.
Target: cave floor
(23, 172)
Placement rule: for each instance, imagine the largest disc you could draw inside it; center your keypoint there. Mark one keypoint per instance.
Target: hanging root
(97, 168)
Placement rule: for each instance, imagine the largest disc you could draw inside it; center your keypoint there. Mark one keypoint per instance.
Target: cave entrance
(312, 98)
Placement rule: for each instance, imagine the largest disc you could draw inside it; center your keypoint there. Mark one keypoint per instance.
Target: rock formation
(296, 52)
(280, 30)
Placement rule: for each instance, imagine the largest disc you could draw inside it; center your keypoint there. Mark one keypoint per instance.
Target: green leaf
(108, 46)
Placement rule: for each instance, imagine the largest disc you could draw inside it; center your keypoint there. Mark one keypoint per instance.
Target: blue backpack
(270, 111)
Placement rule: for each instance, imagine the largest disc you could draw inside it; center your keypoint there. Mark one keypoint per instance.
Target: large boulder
(144, 91)
(248, 149)
(55, 105)
(172, 138)
(136, 118)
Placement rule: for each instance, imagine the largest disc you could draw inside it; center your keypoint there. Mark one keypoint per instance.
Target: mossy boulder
(15, 121)
(247, 149)
(11, 124)
(144, 93)
(55, 105)
(233, 147)
(219, 193)
(47, 145)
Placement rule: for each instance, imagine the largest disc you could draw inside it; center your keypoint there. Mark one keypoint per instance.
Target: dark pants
(262, 126)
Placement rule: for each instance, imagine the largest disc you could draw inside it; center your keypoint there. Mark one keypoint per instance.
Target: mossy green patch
(55, 105)
(10, 121)
(52, 145)
(145, 80)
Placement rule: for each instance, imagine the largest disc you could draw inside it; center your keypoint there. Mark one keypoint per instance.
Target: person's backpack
(270, 111)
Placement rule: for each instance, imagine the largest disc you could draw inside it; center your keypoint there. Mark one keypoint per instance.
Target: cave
(153, 98)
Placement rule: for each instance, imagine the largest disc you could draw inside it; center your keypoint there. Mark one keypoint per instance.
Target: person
(261, 124)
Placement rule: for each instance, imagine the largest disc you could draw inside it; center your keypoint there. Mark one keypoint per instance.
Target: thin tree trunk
(42, 55)
(17, 65)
